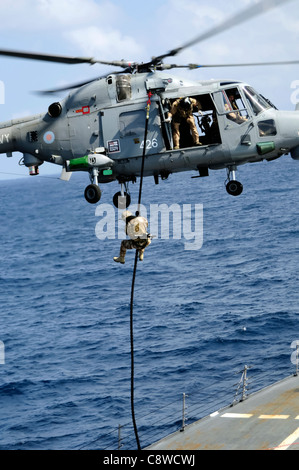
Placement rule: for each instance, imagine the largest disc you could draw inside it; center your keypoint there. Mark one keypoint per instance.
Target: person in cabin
(182, 110)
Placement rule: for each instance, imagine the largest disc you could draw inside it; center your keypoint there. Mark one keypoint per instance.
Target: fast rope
(148, 104)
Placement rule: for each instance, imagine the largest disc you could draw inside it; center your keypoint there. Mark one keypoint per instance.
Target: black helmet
(185, 103)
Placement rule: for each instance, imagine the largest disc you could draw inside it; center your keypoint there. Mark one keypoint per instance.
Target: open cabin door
(201, 120)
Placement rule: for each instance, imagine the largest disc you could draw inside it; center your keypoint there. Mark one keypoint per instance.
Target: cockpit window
(256, 101)
(267, 127)
(234, 106)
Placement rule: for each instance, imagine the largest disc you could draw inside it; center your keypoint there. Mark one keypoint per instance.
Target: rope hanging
(148, 105)
(134, 275)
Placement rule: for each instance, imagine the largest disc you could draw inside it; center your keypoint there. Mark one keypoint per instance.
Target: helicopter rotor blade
(64, 88)
(46, 57)
(198, 66)
(74, 85)
(157, 62)
(62, 59)
(239, 18)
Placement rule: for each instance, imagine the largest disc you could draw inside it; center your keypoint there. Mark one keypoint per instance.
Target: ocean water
(199, 315)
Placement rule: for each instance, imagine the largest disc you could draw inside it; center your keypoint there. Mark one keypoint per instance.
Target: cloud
(92, 28)
(105, 44)
(271, 36)
(53, 15)
(110, 29)
(76, 12)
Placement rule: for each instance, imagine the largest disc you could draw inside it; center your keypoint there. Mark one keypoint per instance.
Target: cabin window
(123, 87)
(234, 106)
(256, 101)
(267, 128)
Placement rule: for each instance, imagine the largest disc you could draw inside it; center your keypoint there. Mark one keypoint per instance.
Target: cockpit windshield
(257, 102)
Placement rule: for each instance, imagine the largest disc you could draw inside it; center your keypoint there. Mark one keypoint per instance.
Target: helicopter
(105, 126)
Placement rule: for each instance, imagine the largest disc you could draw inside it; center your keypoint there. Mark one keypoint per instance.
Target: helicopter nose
(295, 130)
(288, 131)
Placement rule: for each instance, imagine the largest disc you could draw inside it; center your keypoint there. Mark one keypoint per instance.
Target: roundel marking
(49, 137)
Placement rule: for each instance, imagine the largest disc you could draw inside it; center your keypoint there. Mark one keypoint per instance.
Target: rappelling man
(136, 229)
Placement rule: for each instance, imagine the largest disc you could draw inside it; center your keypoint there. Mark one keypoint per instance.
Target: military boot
(119, 259)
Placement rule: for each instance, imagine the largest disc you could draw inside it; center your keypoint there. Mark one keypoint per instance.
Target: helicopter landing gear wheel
(121, 201)
(234, 188)
(92, 193)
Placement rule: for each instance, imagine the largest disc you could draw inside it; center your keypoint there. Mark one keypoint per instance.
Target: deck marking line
(288, 441)
(274, 416)
(236, 415)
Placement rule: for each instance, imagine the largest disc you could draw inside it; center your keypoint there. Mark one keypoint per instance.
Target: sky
(134, 30)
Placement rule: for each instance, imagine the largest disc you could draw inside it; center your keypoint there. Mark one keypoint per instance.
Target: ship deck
(266, 420)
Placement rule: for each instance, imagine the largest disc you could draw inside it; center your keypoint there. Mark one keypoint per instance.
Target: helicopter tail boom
(7, 138)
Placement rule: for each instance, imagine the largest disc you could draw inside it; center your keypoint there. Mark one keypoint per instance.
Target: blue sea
(200, 315)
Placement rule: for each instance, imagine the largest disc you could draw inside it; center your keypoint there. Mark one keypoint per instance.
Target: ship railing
(187, 408)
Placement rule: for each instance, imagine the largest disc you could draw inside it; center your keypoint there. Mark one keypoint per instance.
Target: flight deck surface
(266, 420)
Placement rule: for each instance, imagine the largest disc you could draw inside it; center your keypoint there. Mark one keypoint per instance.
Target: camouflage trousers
(130, 244)
(176, 131)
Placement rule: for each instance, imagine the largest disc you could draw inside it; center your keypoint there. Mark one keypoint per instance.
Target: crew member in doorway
(182, 110)
(136, 229)
(234, 116)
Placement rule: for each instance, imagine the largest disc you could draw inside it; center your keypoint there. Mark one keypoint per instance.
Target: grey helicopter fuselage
(100, 128)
